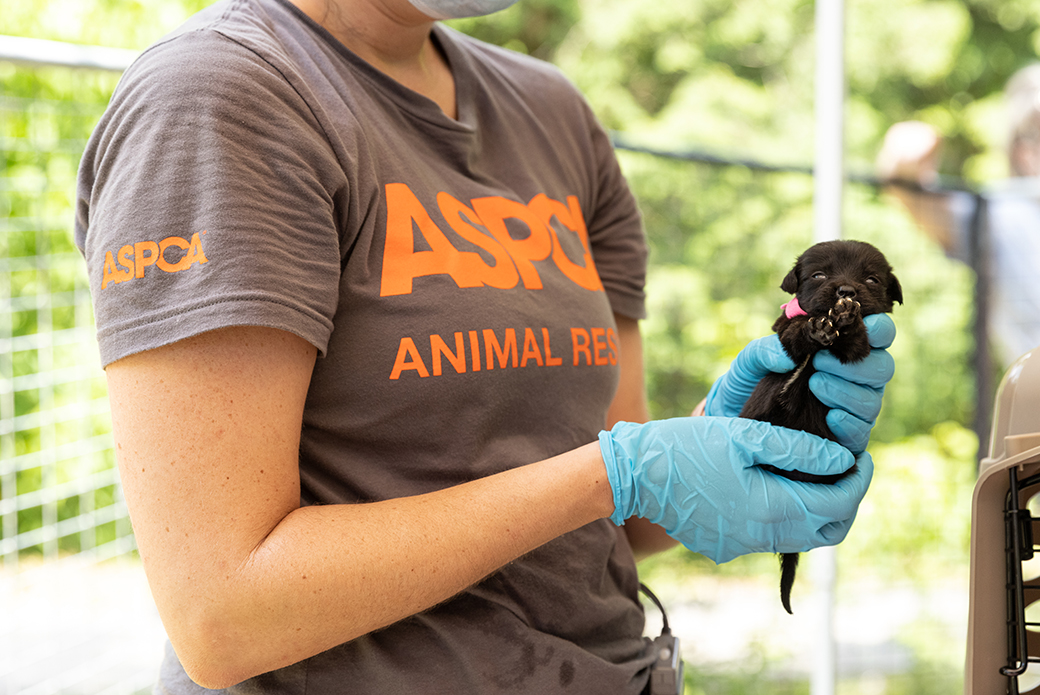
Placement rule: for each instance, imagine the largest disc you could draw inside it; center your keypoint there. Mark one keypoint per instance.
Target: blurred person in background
(1011, 223)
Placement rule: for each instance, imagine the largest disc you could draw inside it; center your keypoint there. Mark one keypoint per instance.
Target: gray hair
(1022, 95)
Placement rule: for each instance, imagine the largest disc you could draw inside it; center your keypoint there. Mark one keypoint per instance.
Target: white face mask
(454, 9)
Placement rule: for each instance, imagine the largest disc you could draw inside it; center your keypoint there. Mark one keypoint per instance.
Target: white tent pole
(829, 119)
(828, 184)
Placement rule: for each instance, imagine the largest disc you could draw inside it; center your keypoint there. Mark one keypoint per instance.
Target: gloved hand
(759, 358)
(698, 478)
(853, 391)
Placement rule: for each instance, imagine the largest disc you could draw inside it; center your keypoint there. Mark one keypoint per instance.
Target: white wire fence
(70, 623)
(59, 493)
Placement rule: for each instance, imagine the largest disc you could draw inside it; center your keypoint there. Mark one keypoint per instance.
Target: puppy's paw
(822, 330)
(844, 313)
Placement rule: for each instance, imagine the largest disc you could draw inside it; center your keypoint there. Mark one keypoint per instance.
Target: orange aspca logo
(172, 255)
(482, 223)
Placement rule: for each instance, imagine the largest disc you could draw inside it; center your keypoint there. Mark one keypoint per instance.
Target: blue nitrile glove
(758, 358)
(853, 391)
(698, 478)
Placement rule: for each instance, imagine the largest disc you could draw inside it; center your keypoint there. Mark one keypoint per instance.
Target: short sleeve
(207, 198)
(616, 232)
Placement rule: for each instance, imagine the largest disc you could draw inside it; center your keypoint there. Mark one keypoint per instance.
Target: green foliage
(715, 280)
(46, 116)
(738, 77)
(132, 24)
(723, 239)
(534, 27)
(929, 479)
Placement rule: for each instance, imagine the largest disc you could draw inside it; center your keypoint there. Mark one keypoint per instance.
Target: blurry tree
(534, 27)
(737, 79)
(132, 24)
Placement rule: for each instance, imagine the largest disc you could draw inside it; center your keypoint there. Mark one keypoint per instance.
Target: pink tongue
(793, 308)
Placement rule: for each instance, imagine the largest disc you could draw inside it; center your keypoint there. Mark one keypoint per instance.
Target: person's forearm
(647, 538)
(207, 436)
(931, 212)
(327, 574)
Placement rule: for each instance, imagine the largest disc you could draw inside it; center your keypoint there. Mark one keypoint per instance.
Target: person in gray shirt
(367, 292)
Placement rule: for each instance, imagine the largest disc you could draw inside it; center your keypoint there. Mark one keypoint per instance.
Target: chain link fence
(69, 621)
(59, 493)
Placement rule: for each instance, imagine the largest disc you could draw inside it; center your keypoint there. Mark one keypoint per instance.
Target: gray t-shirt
(459, 279)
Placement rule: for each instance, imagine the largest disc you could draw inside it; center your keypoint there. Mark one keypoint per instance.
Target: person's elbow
(220, 641)
(211, 676)
(214, 651)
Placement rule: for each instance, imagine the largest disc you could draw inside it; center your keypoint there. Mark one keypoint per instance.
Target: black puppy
(836, 284)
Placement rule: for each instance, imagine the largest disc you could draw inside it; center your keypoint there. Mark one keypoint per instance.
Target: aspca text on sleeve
(172, 255)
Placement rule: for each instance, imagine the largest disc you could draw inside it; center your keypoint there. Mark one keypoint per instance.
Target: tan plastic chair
(997, 654)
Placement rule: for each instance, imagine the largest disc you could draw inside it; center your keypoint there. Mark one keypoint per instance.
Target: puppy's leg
(821, 330)
(845, 312)
(853, 345)
(801, 339)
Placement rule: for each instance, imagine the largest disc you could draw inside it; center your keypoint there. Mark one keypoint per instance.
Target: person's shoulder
(510, 65)
(222, 79)
(227, 45)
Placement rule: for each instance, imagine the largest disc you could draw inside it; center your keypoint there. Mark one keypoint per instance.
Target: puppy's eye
(819, 276)
(872, 280)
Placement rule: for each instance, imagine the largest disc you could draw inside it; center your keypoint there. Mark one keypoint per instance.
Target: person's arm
(909, 154)
(630, 405)
(245, 580)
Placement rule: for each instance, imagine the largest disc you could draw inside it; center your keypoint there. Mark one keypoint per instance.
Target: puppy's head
(834, 269)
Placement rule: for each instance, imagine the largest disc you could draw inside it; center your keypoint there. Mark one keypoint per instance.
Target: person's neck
(394, 39)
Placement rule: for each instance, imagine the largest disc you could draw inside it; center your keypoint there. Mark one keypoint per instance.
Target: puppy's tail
(788, 568)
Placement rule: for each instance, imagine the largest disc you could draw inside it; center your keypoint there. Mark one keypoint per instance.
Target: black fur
(837, 283)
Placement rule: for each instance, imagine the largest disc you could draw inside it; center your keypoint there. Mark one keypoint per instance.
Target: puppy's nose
(847, 291)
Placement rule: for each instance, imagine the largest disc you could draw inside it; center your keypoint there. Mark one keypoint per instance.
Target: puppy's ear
(790, 283)
(895, 290)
